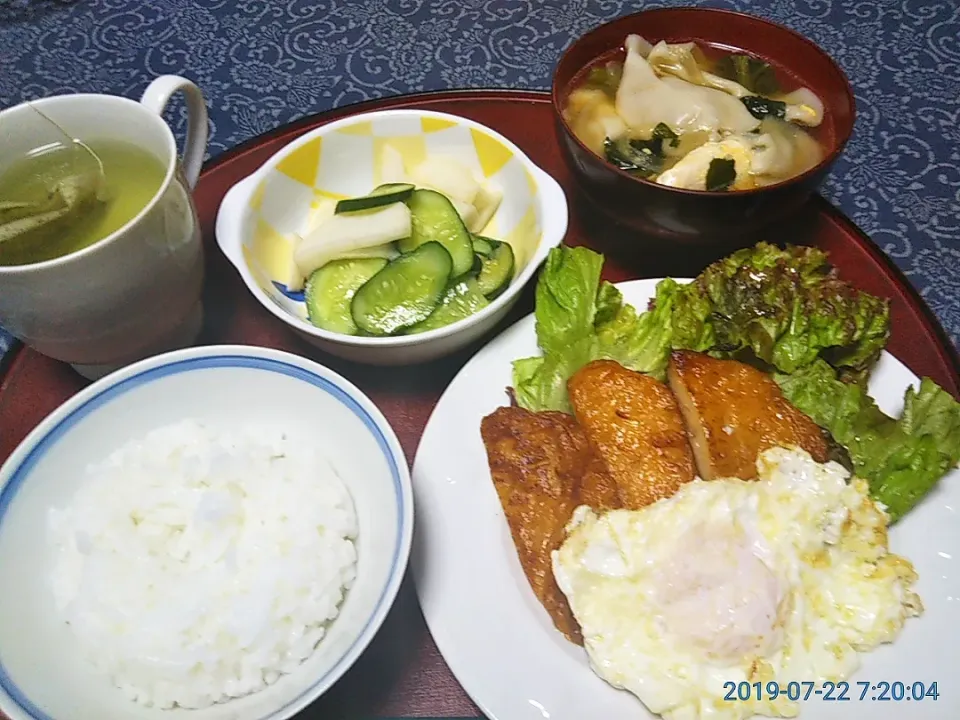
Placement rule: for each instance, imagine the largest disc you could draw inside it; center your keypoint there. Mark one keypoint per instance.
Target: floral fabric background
(263, 63)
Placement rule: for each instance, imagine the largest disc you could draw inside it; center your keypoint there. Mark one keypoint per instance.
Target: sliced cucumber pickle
(405, 292)
(433, 218)
(461, 300)
(482, 246)
(497, 270)
(472, 272)
(381, 195)
(330, 290)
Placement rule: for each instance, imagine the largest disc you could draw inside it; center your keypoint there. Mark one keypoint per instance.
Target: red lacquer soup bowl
(669, 215)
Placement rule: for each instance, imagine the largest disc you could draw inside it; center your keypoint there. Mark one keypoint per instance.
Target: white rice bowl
(265, 612)
(258, 527)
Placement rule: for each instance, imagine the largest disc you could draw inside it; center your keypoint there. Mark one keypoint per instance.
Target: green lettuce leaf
(609, 303)
(590, 322)
(569, 299)
(566, 298)
(932, 411)
(540, 383)
(691, 320)
(526, 388)
(642, 342)
(903, 458)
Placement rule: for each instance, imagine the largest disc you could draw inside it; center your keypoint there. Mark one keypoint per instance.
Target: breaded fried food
(538, 461)
(597, 488)
(633, 423)
(733, 412)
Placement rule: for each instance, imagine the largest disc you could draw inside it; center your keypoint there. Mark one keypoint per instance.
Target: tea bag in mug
(64, 180)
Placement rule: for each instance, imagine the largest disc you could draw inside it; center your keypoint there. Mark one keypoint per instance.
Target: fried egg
(786, 578)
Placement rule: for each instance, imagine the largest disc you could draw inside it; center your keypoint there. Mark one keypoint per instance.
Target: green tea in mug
(49, 209)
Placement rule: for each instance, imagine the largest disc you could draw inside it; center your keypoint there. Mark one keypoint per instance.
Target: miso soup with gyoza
(677, 116)
(52, 205)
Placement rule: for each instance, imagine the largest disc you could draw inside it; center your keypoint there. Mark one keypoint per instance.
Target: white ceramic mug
(136, 292)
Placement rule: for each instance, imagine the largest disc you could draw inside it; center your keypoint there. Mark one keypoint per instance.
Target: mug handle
(156, 97)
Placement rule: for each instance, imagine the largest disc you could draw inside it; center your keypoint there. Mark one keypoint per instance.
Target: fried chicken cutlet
(633, 423)
(733, 412)
(543, 468)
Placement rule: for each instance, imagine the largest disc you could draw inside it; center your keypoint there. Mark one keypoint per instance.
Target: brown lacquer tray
(402, 673)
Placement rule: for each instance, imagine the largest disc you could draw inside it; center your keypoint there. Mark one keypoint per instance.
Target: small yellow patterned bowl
(260, 216)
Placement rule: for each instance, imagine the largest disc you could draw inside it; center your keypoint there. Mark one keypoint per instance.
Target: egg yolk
(717, 598)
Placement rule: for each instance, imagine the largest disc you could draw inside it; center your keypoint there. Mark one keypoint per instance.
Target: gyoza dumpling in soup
(669, 114)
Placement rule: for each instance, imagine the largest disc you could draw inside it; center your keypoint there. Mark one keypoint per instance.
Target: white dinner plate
(501, 644)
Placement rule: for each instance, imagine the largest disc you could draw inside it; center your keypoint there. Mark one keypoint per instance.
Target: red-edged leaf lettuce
(787, 308)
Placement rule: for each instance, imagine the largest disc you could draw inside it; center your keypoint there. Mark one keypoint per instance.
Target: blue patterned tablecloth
(263, 63)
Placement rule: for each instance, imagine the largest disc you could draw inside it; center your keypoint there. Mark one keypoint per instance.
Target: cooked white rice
(197, 565)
